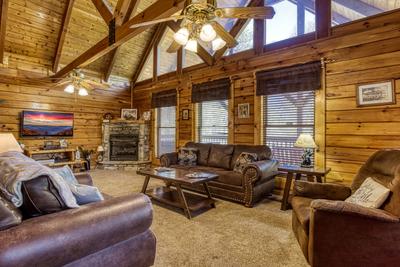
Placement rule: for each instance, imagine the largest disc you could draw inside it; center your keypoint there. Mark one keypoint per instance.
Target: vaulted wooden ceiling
(44, 36)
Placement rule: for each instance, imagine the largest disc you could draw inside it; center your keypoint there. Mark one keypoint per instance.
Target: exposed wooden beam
(3, 27)
(201, 52)
(323, 18)
(123, 11)
(104, 9)
(160, 9)
(62, 33)
(236, 29)
(149, 48)
(179, 65)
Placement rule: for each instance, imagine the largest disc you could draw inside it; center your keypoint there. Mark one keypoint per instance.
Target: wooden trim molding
(3, 27)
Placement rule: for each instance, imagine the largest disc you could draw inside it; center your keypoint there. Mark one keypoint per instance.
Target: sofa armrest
(350, 209)
(84, 178)
(350, 235)
(321, 191)
(169, 159)
(60, 238)
(260, 169)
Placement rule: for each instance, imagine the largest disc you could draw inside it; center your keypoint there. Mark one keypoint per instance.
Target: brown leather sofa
(256, 182)
(114, 232)
(332, 232)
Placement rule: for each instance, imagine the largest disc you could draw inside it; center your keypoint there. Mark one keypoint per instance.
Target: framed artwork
(185, 114)
(130, 114)
(147, 115)
(372, 94)
(244, 111)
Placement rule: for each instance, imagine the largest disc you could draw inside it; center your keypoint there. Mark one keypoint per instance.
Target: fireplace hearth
(126, 144)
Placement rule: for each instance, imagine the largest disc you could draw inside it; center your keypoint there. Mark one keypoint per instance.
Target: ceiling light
(191, 45)
(70, 89)
(83, 92)
(218, 43)
(207, 33)
(182, 36)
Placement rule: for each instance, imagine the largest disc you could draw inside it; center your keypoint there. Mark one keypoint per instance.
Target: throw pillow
(187, 156)
(9, 215)
(67, 174)
(243, 160)
(370, 194)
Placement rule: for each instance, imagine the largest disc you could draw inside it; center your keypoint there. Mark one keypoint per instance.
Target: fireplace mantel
(139, 131)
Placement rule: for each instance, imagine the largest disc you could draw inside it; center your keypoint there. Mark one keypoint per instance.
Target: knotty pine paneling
(356, 52)
(88, 111)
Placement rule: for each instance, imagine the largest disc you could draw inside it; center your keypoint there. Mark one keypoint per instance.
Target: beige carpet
(230, 235)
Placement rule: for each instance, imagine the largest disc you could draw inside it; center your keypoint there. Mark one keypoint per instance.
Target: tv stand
(47, 156)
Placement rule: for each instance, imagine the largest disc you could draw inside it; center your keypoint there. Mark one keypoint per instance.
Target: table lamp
(9, 143)
(306, 141)
(100, 153)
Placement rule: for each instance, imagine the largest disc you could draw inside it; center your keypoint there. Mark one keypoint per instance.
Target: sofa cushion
(9, 215)
(302, 209)
(263, 152)
(203, 152)
(229, 177)
(40, 197)
(187, 156)
(220, 156)
(243, 160)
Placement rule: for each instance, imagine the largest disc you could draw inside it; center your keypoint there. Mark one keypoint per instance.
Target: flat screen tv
(38, 123)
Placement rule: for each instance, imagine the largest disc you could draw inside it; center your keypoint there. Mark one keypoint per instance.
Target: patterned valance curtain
(305, 77)
(214, 90)
(164, 99)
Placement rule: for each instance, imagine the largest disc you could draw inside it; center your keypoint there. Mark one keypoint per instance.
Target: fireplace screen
(124, 147)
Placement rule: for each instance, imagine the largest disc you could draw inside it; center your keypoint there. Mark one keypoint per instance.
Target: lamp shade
(100, 149)
(9, 143)
(305, 141)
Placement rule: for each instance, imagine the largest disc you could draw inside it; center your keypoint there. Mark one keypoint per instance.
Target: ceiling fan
(199, 23)
(76, 81)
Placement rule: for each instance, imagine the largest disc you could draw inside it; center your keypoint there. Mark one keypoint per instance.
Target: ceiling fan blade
(226, 36)
(174, 47)
(146, 23)
(262, 12)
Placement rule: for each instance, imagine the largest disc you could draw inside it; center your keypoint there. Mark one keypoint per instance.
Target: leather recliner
(114, 232)
(332, 232)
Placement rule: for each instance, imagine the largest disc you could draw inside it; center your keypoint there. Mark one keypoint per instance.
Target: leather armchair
(114, 232)
(332, 232)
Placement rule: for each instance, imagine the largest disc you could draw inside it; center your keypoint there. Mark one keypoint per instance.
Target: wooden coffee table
(188, 202)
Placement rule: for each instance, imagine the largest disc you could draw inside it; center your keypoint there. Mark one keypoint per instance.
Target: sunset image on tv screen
(36, 123)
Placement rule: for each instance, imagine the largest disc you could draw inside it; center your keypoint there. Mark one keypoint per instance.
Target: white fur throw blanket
(16, 168)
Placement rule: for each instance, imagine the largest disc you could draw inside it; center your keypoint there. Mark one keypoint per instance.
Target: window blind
(285, 117)
(212, 122)
(166, 122)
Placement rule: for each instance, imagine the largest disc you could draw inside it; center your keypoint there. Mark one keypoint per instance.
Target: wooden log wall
(88, 111)
(359, 52)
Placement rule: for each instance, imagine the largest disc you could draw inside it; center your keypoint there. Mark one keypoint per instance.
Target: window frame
(157, 116)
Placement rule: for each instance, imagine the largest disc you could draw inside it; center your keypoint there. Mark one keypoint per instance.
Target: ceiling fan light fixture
(182, 36)
(191, 45)
(70, 89)
(83, 92)
(218, 43)
(207, 33)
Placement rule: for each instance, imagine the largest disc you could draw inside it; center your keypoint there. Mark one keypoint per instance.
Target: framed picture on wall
(244, 111)
(130, 114)
(185, 114)
(372, 94)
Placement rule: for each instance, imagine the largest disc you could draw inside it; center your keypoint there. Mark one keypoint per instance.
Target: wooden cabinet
(56, 157)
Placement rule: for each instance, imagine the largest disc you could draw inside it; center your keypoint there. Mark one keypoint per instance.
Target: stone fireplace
(126, 144)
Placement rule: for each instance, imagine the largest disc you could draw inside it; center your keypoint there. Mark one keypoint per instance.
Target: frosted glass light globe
(182, 36)
(70, 89)
(191, 45)
(83, 92)
(207, 33)
(218, 43)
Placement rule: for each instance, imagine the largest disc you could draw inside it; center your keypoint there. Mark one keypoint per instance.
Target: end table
(297, 172)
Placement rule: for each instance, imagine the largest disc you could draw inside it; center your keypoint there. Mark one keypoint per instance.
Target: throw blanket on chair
(16, 168)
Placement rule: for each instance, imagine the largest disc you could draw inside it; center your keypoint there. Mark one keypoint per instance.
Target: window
(292, 18)
(147, 70)
(167, 62)
(190, 59)
(286, 116)
(345, 11)
(245, 39)
(166, 123)
(212, 121)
